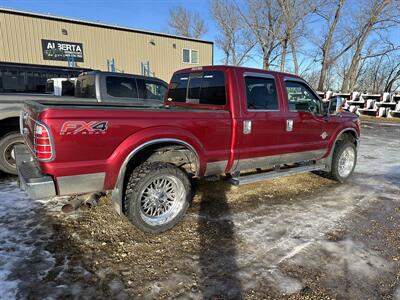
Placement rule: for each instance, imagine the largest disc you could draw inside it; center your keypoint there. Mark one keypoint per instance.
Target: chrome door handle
(289, 125)
(246, 126)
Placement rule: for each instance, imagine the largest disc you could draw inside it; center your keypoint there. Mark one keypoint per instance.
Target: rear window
(121, 87)
(199, 88)
(85, 87)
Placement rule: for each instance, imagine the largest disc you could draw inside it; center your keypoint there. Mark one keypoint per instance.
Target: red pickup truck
(214, 120)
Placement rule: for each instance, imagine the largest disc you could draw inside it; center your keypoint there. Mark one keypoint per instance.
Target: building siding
(21, 35)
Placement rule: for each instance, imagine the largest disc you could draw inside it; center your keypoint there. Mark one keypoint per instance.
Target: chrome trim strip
(53, 156)
(117, 192)
(216, 167)
(302, 156)
(271, 161)
(257, 162)
(22, 115)
(53, 150)
(234, 166)
(79, 184)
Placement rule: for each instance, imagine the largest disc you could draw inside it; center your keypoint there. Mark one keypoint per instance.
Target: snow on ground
(23, 236)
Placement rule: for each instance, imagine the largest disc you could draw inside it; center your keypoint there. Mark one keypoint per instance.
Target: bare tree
(381, 73)
(234, 38)
(329, 58)
(186, 23)
(294, 13)
(264, 20)
(376, 15)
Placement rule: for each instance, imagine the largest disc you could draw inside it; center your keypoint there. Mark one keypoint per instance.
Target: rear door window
(121, 87)
(198, 88)
(261, 93)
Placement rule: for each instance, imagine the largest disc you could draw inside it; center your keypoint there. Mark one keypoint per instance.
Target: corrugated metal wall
(21, 35)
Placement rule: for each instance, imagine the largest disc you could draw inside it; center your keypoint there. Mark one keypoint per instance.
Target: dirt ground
(299, 237)
(379, 119)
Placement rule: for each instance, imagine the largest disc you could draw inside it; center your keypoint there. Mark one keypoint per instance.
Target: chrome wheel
(346, 162)
(162, 199)
(9, 154)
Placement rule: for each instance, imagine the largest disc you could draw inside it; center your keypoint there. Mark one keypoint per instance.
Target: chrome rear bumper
(30, 178)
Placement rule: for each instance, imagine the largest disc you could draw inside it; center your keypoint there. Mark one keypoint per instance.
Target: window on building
(194, 57)
(186, 56)
(261, 93)
(190, 56)
(198, 88)
(301, 98)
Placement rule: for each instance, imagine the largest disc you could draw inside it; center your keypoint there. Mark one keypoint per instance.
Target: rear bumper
(40, 186)
(31, 180)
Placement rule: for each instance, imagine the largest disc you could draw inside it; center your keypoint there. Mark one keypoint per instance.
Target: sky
(140, 14)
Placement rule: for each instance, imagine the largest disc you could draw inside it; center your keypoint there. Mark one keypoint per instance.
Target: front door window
(301, 98)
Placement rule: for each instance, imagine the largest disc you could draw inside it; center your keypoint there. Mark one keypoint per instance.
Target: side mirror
(334, 105)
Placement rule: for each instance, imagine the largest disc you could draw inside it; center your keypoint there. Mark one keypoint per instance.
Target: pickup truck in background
(215, 120)
(90, 87)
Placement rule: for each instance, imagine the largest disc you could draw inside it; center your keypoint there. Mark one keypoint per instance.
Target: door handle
(246, 126)
(289, 125)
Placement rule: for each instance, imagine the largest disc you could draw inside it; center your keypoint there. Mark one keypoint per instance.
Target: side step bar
(246, 179)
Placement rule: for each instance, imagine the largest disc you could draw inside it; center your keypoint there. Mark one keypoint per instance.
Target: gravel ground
(300, 237)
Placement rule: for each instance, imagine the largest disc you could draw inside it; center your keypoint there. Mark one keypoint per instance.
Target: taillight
(42, 143)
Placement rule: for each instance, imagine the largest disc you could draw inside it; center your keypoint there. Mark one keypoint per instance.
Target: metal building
(42, 40)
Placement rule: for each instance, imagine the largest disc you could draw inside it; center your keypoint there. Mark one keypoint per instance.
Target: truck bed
(78, 104)
(126, 127)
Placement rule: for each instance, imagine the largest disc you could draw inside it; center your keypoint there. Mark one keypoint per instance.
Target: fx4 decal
(82, 127)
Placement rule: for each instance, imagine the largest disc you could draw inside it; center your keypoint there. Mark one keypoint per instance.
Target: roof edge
(99, 24)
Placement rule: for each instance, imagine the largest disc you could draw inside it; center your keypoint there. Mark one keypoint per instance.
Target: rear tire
(157, 196)
(343, 161)
(7, 156)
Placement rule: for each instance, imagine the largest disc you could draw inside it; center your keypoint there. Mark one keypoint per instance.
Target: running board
(246, 179)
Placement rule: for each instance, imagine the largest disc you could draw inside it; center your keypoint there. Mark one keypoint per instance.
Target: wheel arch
(145, 150)
(348, 133)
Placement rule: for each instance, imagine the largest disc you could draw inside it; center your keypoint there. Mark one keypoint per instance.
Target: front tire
(157, 196)
(7, 156)
(343, 161)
